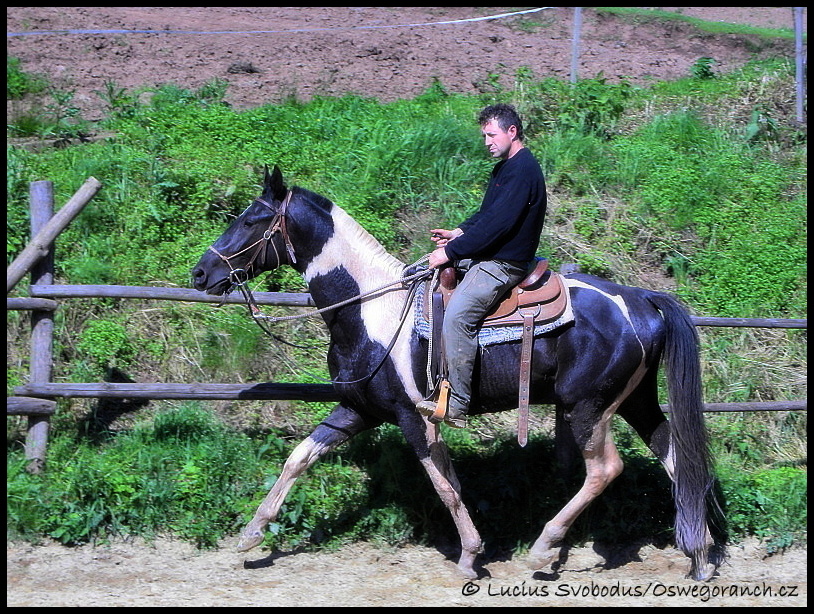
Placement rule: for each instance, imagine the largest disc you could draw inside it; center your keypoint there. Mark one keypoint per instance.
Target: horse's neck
(355, 250)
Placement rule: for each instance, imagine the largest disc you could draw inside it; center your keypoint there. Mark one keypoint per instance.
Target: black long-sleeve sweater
(510, 219)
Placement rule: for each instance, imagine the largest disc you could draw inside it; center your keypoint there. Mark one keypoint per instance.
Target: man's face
(498, 141)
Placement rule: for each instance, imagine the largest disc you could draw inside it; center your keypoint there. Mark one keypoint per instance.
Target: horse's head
(255, 242)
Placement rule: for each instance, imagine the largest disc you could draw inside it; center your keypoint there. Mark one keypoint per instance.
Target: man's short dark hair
(506, 116)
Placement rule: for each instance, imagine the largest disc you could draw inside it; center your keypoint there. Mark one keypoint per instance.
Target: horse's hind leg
(603, 465)
(340, 426)
(642, 412)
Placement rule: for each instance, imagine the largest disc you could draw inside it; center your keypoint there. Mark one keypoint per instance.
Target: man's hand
(441, 237)
(438, 257)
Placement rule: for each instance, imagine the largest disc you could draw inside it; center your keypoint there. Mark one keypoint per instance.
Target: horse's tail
(693, 481)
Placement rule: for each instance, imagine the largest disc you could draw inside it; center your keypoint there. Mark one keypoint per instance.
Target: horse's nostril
(198, 278)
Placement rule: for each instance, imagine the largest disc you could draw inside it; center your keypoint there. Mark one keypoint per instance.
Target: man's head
(502, 130)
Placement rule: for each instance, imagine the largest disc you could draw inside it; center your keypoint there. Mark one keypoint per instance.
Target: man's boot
(439, 411)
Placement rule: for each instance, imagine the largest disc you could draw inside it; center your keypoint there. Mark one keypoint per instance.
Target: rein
(239, 278)
(412, 280)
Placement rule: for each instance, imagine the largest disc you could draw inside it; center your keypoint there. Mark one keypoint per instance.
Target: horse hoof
(467, 572)
(540, 560)
(249, 540)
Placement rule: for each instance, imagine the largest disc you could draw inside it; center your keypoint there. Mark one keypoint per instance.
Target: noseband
(277, 224)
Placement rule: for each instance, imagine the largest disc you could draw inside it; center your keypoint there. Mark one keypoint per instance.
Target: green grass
(19, 83)
(700, 182)
(187, 474)
(713, 27)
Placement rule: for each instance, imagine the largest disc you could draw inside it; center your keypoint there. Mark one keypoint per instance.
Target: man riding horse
(494, 249)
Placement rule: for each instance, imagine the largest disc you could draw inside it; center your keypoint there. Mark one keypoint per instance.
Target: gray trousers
(484, 284)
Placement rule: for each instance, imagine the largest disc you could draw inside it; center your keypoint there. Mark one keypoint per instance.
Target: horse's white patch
(618, 300)
(669, 461)
(620, 303)
(371, 266)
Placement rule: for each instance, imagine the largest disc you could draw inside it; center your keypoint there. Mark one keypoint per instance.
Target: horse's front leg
(434, 456)
(340, 426)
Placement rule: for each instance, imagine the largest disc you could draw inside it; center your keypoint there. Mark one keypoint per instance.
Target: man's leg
(483, 285)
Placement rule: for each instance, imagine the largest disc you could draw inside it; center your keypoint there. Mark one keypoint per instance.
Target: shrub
(770, 503)
(105, 343)
(186, 474)
(19, 83)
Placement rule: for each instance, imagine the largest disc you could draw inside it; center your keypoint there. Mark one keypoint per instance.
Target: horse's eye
(247, 223)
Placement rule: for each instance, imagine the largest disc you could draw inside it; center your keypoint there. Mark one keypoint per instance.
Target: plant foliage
(700, 182)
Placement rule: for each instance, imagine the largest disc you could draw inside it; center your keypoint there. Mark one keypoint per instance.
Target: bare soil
(325, 51)
(175, 574)
(332, 51)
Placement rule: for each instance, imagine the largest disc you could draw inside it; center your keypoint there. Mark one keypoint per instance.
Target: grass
(713, 27)
(697, 185)
(184, 472)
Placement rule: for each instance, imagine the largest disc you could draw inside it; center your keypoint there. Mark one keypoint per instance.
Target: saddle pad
(490, 335)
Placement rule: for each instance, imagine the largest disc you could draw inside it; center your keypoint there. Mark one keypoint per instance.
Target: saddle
(541, 297)
(542, 293)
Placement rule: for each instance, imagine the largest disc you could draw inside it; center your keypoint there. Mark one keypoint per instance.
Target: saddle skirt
(542, 294)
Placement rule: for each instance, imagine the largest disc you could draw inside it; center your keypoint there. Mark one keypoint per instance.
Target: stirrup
(438, 411)
(455, 418)
(426, 407)
(452, 418)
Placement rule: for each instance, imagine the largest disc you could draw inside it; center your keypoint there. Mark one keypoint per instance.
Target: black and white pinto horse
(605, 363)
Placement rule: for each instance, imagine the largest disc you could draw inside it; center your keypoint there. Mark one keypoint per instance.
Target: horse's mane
(352, 230)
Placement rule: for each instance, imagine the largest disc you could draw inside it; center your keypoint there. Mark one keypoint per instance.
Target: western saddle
(538, 299)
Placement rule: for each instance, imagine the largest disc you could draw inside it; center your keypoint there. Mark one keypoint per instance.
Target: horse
(606, 362)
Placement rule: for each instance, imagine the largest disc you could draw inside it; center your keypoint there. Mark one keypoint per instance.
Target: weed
(702, 69)
(19, 83)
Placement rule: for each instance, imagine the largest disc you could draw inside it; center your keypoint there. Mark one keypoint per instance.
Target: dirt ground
(175, 574)
(331, 51)
(328, 51)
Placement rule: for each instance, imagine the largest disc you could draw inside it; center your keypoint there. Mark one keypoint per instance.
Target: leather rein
(277, 224)
(239, 278)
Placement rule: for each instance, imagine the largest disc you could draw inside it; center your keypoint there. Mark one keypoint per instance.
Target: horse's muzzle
(202, 281)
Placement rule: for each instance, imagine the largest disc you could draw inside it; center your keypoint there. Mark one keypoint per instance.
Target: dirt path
(175, 574)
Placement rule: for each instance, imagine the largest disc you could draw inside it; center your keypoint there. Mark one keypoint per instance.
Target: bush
(186, 474)
(19, 83)
(770, 504)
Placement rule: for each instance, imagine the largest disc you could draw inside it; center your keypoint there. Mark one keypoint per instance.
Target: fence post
(41, 241)
(799, 62)
(42, 325)
(575, 43)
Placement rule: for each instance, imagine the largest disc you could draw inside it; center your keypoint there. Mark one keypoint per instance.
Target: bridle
(277, 224)
(239, 278)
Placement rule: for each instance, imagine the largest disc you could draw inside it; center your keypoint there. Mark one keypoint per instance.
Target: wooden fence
(36, 399)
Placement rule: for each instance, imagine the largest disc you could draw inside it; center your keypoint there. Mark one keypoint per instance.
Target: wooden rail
(201, 391)
(35, 399)
(303, 299)
(751, 322)
(286, 299)
(271, 391)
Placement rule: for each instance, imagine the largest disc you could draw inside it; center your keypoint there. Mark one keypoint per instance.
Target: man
(494, 249)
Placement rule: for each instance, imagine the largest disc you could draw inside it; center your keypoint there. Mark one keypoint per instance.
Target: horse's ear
(273, 182)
